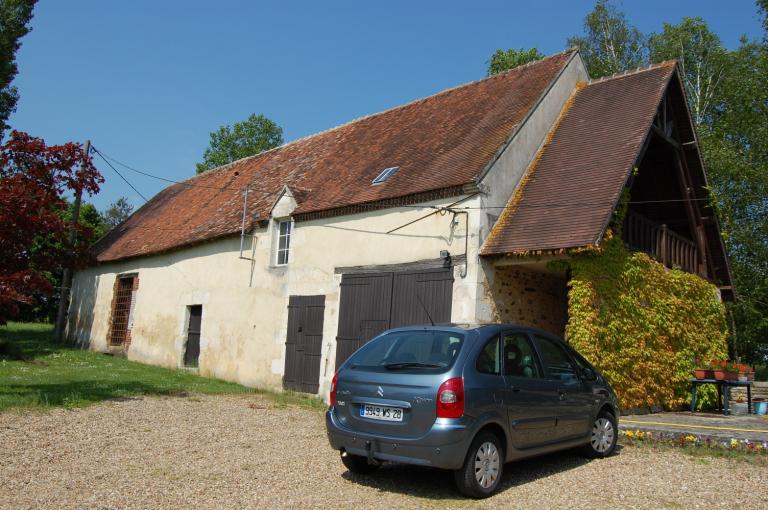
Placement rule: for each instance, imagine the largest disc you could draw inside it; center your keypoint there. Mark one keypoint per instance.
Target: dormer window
(385, 174)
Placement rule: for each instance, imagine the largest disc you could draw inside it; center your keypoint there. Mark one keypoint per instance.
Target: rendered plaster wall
(237, 312)
(530, 298)
(245, 312)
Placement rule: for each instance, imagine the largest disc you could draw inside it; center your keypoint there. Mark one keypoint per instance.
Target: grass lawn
(35, 372)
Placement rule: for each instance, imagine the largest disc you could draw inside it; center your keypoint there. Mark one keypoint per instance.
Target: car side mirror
(588, 374)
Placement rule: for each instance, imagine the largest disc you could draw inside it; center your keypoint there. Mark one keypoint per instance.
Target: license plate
(381, 412)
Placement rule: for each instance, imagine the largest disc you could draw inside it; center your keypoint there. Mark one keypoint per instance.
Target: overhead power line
(172, 181)
(121, 175)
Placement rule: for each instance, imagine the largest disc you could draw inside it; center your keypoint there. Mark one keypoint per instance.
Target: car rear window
(409, 350)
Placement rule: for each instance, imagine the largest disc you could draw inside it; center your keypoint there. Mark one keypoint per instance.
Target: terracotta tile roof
(441, 142)
(570, 191)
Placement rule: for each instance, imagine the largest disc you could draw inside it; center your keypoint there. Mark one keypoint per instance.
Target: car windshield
(409, 350)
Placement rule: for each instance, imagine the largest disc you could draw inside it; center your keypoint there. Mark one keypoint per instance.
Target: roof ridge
(632, 72)
(375, 114)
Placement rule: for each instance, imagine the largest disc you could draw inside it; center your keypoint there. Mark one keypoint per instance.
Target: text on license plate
(381, 412)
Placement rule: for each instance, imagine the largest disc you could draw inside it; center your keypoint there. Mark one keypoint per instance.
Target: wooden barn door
(419, 295)
(366, 301)
(303, 343)
(374, 302)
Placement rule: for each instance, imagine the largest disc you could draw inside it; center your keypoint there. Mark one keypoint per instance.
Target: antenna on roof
(242, 227)
(425, 309)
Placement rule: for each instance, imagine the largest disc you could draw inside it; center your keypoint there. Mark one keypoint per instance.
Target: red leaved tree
(33, 233)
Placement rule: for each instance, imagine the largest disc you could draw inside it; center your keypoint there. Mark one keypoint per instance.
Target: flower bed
(632, 437)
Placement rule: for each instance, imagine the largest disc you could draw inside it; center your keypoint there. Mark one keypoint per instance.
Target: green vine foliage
(643, 325)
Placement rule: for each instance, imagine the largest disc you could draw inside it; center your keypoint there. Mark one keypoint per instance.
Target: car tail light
(333, 388)
(450, 398)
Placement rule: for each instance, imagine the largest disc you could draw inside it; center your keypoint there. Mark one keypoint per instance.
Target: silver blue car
(468, 399)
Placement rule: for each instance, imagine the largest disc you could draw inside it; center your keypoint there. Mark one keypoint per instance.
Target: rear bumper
(444, 446)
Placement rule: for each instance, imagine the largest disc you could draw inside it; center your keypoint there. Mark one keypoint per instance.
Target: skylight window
(386, 174)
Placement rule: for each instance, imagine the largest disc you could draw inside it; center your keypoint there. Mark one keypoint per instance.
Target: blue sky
(147, 81)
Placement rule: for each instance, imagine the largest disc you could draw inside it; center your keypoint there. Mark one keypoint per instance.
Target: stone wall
(531, 298)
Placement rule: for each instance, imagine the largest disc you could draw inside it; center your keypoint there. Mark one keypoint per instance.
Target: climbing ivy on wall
(643, 325)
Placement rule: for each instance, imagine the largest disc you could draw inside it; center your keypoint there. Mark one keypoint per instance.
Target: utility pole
(66, 279)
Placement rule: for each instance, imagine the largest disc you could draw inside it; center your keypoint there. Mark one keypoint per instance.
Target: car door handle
(514, 389)
(562, 395)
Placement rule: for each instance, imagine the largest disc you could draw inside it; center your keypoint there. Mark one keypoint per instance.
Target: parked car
(467, 399)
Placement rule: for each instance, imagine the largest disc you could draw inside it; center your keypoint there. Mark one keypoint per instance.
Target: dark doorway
(303, 343)
(192, 352)
(374, 302)
(122, 306)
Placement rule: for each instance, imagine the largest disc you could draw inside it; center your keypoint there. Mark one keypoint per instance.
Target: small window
(283, 242)
(489, 361)
(519, 358)
(386, 174)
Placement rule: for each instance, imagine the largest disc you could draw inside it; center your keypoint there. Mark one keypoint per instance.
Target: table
(723, 390)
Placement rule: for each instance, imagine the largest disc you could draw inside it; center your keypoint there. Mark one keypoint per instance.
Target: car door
(531, 400)
(575, 404)
(485, 388)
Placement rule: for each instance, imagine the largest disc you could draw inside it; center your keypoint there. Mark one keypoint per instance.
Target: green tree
(250, 137)
(117, 212)
(91, 218)
(502, 60)
(609, 44)
(735, 146)
(15, 16)
(701, 57)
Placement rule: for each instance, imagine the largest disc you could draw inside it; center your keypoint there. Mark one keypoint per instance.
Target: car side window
(519, 358)
(556, 361)
(489, 361)
(584, 366)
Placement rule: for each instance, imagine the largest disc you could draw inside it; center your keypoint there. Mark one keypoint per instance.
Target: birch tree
(609, 43)
(702, 61)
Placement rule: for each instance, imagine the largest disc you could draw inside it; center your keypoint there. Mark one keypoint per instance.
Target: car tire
(357, 464)
(602, 436)
(480, 475)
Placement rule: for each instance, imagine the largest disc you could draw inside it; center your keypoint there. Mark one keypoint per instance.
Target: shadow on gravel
(431, 483)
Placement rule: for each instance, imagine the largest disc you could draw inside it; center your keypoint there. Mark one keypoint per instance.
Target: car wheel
(357, 464)
(602, 437)
(480, 475)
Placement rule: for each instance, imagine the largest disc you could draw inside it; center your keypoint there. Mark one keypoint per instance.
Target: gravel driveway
(243, 452)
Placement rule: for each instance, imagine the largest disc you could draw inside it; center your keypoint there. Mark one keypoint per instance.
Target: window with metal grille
(121, 311)
(283, 242)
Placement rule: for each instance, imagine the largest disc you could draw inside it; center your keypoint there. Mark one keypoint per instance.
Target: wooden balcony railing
(666, 246)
